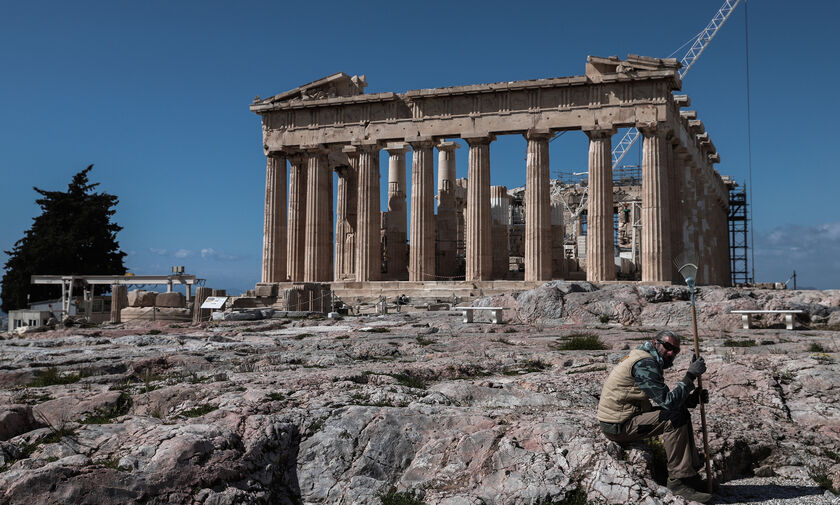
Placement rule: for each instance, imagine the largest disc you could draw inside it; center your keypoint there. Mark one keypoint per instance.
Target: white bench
(468, 312)
(746, 316)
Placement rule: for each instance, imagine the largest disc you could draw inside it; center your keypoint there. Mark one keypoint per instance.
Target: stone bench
(468, 312)
(746, 316)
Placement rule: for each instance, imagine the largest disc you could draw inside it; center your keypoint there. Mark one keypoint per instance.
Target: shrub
(604, 319)
(392, 497)
(52, 377)
(409, 379)
(815, 347)
(580, 342)
(199, 411)
(154, 332)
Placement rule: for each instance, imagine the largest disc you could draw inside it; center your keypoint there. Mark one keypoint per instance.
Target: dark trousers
(678, 439)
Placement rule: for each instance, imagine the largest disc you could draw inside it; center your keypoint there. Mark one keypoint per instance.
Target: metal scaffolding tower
(739, 226)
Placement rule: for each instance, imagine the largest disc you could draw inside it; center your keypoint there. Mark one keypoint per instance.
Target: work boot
(697, 483)
(683, 488)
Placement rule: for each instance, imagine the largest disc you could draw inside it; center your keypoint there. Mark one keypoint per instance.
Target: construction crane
(700, 43)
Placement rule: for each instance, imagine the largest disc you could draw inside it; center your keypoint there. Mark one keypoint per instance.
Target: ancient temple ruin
(676, 201)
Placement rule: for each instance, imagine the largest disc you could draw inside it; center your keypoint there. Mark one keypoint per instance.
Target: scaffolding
(739, 225)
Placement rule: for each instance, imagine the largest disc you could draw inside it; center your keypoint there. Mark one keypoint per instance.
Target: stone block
(173, 300)
(265, 290)
(140, 298)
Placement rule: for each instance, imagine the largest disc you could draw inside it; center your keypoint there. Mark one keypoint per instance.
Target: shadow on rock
(753, 493)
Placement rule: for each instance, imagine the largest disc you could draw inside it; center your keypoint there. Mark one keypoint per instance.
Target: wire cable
(749, 135)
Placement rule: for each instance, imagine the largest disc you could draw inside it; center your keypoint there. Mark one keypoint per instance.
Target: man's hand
(697, 367)
(695, 396)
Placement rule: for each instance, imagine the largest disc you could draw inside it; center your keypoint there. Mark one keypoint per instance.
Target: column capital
(600, 133)
(649, 128)
(477, 139)
(277, 154)
(537, 134)
(447, 146)
(394, 148)
(421, 142)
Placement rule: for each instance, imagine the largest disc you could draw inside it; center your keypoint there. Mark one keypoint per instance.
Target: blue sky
(156, 95)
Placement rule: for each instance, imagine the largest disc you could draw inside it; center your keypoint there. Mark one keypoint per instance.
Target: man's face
(668, 349)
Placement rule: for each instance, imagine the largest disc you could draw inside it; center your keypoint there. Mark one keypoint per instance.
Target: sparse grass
(274, 396)
(503, 340)
(342, 337)
(301, 336)
(34, 398)
(739, 343)
(786, 377)
(379, 329)
(833, 456)
(580, 342)
(52, 377)
(823, 358)
(816, 347)
(198, 411)
(175, 326)
(823, 481)
(154, 332)
(113, 463)
(576, 497)
(511, 330)
(530, 366)
(409, 379)
(604, 319)
(54, 436)
(423, 340)
(392, 497)
(106, 415)
(586, 370)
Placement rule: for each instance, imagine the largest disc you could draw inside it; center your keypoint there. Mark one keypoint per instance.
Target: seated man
(626, 414)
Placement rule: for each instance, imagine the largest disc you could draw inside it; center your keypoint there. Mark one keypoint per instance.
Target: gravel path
(774, 491)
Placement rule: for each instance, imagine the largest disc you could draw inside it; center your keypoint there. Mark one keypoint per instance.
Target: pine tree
(73, 235)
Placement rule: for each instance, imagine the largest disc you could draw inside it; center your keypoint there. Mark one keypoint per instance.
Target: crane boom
(700, 44)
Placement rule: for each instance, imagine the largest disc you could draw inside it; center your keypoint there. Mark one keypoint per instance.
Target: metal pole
(700, 397)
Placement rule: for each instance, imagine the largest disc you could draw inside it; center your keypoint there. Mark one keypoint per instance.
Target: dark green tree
(73, 235)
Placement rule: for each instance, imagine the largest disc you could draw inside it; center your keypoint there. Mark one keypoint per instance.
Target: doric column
(119, 300)
(479, 255)
(500, 217)
(274, 229)
(537, 208)
(316, 265)
(297, 217)
(396, 251)
(345, 215)
(600, 239)
(656, 227)
(558, 242)
(421, 263)
(446, 222)
(368, 252)
(347, 194)
(688, 202)
(675, 183)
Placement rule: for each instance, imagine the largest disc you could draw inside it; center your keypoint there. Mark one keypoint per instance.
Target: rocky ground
(415, 407)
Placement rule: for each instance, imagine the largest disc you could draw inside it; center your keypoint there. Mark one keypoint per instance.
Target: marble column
(317, 257)
(297, 217)
(345, 216)
(479, 256)
(348, 182)
(558, 242)
(274, 228)
(656, 226)
(500, 217)
(537, 208)
(446, 222)
(119, 300)
(396, 253)
(368, 243)
(600, 238)
(421, 263)
(675, 202)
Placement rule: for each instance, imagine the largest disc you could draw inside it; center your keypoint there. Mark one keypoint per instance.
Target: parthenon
(332, 125)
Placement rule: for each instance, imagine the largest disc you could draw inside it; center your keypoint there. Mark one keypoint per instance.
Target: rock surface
(319, 411)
